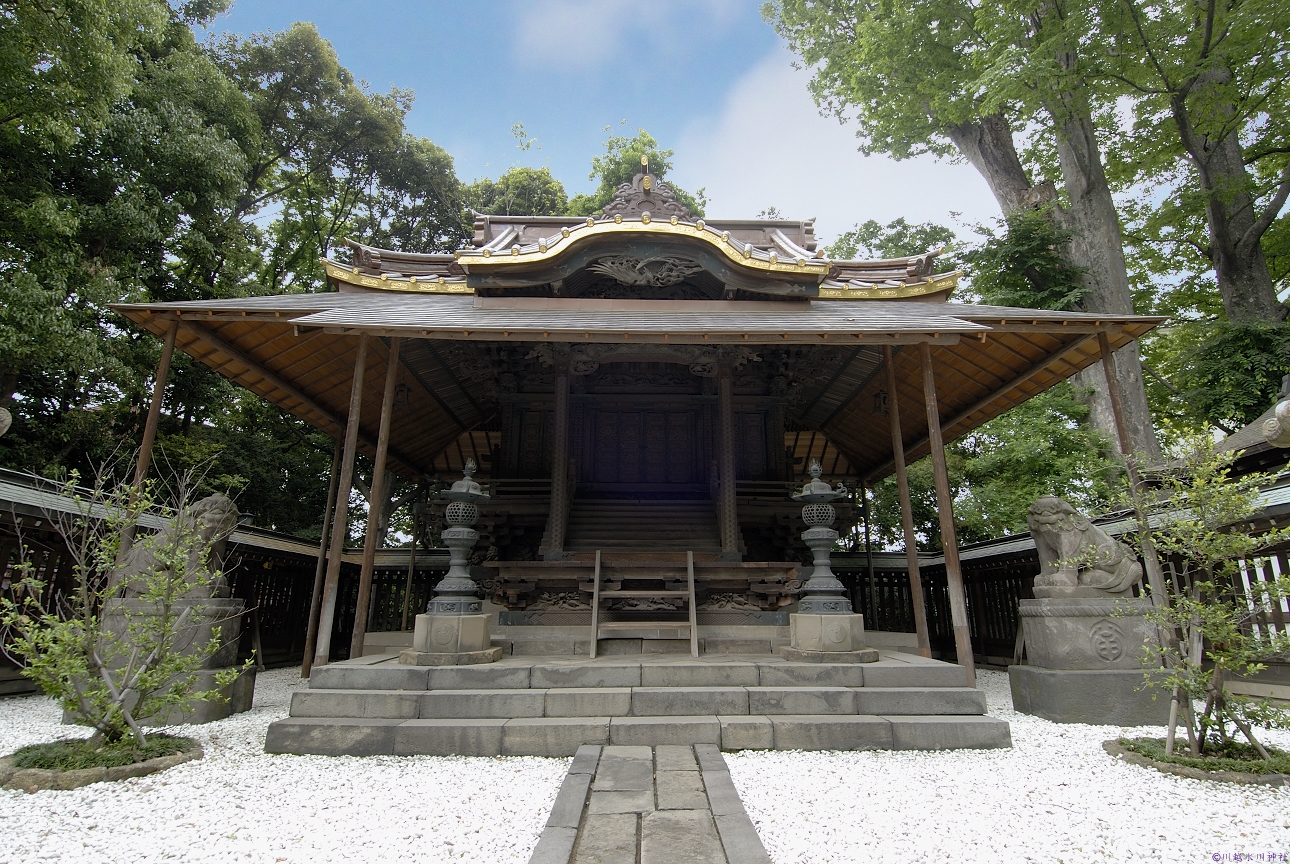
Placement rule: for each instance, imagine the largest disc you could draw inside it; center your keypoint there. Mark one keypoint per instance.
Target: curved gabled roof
(777, 257)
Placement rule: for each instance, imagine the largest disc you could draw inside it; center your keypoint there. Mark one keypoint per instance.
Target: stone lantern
(454, 630)
(824, 628)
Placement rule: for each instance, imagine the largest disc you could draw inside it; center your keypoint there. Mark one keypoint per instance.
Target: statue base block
(826, 633)
(1102, 697)
(795, 655)
(451, 640)
(411, 657)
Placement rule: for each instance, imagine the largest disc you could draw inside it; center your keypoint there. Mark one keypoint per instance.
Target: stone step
(635, 702)
(520, 673)
(553, 736)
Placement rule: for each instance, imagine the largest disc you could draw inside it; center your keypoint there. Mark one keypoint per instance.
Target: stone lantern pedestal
(454, 631)
(824, 629)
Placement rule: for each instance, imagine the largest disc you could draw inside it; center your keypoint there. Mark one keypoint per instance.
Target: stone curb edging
(1118, 750)
(40, 779)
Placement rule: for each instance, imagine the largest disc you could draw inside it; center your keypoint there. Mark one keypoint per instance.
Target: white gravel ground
(241, 804)
(1054, 797)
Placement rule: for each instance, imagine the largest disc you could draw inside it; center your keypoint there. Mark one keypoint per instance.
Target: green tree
(620, 162)
(519, 192)
(949, 77)
(1025, 265)
(896, 239)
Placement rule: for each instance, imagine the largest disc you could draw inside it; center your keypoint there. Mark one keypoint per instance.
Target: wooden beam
(1020, 379)
(340, 523)
(208, 336)
(949, 538)
(906, 508)
(375, 503)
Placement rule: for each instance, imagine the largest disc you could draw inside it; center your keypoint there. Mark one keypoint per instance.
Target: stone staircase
(551, 706)
(642, 525)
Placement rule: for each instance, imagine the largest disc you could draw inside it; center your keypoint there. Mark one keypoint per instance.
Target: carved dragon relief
(656, 272)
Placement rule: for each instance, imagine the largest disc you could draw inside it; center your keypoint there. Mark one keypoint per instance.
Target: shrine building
(643, 389)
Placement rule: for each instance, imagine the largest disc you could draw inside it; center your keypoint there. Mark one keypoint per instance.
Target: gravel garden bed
(1056, 796)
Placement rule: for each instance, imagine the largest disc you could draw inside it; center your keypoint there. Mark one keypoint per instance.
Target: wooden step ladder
(608, 596)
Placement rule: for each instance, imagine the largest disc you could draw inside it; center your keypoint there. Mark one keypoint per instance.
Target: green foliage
(1026, 265)
(76, 753)
(518, 192)
(620, 162)
(1042, 447)
(113, 662)
(896, 239)
(1197, 513)
(1234, 372)
(1229, 756)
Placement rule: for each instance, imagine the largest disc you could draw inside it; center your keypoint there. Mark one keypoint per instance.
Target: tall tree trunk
(1235, 229)
(988, 145)
(1098, 248)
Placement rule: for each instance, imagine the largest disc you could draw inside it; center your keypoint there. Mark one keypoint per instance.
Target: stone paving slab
(681, 808)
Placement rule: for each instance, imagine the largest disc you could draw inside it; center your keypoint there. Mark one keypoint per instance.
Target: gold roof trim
(742, 254)
(902, 291)
(415, 284)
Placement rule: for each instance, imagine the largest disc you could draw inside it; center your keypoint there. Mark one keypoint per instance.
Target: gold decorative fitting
(645, 217)
(590, 221)
(353, 269)
(564, 232)
(725, 236)
(488, 253)
(747, 250)
(800, 261)
(774, 259)
(412, 279)
(441, 280)
(515, 250)
(541, 245)
(647, 182)
(456, 253)
(618, 218)
(385, 277)
(700, 225)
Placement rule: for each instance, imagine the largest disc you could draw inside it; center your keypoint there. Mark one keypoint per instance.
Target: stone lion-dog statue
(1064, 539)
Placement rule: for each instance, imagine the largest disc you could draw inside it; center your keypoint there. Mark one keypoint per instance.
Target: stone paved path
(648, 805)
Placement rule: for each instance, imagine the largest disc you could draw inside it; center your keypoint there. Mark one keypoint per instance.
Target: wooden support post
(1155, 574)
(320, 571)
(376, 501)
(726, 461)
(339, 526)
(144, 461)
(945, 505)
(906, 507)
(154, 410)
(557, 519)
(412, 562)
(868, 559)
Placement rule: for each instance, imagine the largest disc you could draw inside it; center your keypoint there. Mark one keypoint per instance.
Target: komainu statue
(1076, 558)
(215, 517)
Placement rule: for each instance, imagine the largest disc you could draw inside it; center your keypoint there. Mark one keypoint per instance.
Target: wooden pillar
(154, 410)
(339, 526)
(557, 518)
(150, 428)
(320, 571)
(906, 507)
(945, 506)
(1155, 574)
(412, 561)
(376, 500)
(729, 526)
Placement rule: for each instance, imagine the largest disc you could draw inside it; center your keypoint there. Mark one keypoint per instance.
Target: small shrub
(76, 753)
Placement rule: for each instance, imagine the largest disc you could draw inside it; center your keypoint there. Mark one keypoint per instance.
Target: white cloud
(769, 146)
(583, 34)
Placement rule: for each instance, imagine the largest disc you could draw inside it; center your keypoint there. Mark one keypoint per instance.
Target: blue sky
(708, 78)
